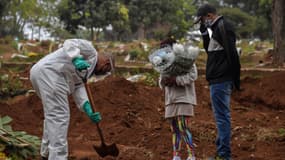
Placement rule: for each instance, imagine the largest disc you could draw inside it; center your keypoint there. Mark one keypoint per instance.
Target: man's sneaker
(176, 158)
(191, 158)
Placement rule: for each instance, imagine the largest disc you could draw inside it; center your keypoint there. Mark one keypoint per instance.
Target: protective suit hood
(82, 48)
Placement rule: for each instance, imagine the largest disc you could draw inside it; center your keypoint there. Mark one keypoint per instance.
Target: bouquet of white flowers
(175, 60)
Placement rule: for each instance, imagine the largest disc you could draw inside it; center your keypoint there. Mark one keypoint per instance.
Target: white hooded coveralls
(54, 77)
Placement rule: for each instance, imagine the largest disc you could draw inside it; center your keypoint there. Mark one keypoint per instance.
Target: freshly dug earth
(133, 118)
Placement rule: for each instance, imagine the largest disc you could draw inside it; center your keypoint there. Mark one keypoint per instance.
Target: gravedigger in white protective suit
(54, 78)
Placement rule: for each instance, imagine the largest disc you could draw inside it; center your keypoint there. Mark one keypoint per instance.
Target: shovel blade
(104, 150)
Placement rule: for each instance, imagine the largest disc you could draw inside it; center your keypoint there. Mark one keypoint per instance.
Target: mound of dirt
(133, 118)
(268, 91)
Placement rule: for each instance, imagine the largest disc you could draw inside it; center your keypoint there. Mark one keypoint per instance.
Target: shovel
(103, 150)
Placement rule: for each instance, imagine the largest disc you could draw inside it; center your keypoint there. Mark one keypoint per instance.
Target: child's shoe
(176, 158)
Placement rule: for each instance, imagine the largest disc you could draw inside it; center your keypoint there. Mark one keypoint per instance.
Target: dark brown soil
(133, 118)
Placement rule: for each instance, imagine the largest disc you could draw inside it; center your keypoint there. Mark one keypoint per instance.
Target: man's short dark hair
(205, 9)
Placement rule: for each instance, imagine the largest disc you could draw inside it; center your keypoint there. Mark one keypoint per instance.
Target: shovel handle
(93, 108)
(100, 134)
(89, 93)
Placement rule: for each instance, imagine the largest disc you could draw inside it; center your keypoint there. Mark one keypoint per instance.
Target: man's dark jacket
(223, 60)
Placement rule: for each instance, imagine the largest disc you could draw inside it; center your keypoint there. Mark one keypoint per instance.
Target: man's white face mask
(208, 23)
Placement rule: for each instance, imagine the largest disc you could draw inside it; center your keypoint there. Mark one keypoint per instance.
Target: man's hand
(80, 64)
(169, 81)
(203, 28)
(94, 116)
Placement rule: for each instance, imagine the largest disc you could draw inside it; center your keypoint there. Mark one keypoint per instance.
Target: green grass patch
(281, 132)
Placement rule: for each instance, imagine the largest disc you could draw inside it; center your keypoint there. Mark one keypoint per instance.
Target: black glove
(203, 28)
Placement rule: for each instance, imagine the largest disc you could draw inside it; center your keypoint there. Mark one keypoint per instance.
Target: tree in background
(142, 18)
(46, 17)
(129, 19)
(3, 6)
(121, 24)
(93, 15)
(183, 17)
(264, 20)
(3, 10)
(19, 14)
(260, 11)
(145, 15)
(149, 17)
(15, 15)
(243, 22)
(278, 25)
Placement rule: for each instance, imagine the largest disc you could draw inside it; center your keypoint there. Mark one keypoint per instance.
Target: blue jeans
(220, 99)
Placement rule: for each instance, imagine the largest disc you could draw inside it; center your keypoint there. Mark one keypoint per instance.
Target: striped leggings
(179, 129)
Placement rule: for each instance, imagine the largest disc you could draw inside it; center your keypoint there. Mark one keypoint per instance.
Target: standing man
(58, 75)
(222, 72)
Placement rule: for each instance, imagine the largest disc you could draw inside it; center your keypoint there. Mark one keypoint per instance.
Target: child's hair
(167, 42)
